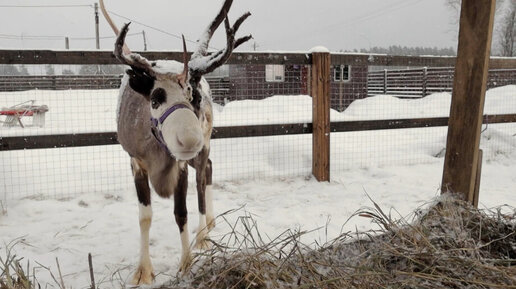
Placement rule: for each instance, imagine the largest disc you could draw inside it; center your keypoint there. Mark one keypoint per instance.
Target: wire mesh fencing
(256, 95)
(412, 94)
(262, 95)
(246, 96)
(76, 103)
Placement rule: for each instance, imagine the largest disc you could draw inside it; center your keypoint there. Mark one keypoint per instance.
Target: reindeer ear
(140, 82)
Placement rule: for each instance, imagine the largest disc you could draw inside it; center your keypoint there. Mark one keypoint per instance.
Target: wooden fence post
(385, 81)
(469, 87)
(320, 84)
(425, 81)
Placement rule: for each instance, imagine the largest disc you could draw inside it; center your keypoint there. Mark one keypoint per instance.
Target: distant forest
(415, 51)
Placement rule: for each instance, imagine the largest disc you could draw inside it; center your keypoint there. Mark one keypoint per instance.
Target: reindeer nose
(188, 140)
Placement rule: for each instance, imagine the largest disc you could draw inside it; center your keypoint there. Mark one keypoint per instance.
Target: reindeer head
(174, 96)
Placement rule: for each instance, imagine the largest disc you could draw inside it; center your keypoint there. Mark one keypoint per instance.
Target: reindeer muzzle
(157, 123)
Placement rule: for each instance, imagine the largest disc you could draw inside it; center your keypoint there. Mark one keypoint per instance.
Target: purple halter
(156, 125)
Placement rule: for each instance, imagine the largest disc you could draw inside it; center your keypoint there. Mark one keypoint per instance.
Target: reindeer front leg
(210, 217)
(143, 274)
(181, 214)
(203, 176)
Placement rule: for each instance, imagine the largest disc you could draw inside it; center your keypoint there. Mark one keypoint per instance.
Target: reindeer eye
(158, 96)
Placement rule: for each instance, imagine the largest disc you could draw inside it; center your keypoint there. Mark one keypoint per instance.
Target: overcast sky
(294, 25)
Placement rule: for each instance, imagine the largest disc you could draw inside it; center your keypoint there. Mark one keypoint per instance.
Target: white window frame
(274, 73)
(340, 69)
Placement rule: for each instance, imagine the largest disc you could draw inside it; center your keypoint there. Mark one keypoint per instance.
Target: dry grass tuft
(451, 245)
(13, 276)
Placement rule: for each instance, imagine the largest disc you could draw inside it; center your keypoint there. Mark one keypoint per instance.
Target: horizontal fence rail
(58, 82)
(248, 58)
(259, 152)
(110, 138)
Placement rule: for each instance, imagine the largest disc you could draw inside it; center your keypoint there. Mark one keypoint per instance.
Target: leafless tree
(504, 30)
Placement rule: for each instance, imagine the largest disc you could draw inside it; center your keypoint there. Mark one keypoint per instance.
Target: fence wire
(76, 104)
(243, 95)
(246, 95)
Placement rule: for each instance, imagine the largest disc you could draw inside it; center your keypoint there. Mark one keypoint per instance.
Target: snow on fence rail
(262, 128)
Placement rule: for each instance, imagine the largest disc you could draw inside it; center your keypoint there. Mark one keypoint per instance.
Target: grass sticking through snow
(450, 245)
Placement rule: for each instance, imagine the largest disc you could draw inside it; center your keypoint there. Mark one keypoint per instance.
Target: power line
(103, 37)
(157, 29)
(6, 36)
(44, 6)
(151, 27)
(377, 13)
(370, 15)
(41, 37)
(55, 37)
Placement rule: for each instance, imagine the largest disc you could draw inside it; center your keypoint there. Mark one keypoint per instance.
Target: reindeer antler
(203, 62)
(112, 24)
(134, 60)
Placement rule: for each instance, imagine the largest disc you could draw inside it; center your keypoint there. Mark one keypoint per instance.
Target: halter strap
(169, 111)
(156, 130)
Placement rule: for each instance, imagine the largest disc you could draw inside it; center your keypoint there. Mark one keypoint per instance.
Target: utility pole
(144, 41)
(97, 25)
(67, 43)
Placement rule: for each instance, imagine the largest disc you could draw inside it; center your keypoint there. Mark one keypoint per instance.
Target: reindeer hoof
(201, 243)
(143, 276)
(211, 223)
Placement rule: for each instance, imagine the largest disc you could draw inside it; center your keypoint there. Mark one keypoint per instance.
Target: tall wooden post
(320, 86)
(469, 87)
(385, 81)
(97, 38)
(144, 41)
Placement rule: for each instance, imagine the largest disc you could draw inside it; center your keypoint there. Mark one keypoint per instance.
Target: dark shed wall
(343, 93)
(248, 82)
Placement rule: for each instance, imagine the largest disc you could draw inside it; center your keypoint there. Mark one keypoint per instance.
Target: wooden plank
(396, 60)
(246, 58)
(107, 57)
(88, 139)
(360, 125)
(320, 84)
(261, 130)
(476, 191)
(57, 141)
(469, 88)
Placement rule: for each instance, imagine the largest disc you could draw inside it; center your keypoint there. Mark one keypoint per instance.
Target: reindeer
(165, 123)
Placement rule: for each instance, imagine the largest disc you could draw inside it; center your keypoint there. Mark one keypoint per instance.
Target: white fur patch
(186, 255)
(202, 223)
(145, 212)
(145, 223)
(209, 202)
(185, 241)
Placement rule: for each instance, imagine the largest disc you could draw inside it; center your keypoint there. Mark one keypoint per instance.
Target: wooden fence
(319, 84)
(219, 86)
(58, 82)
(423, 81)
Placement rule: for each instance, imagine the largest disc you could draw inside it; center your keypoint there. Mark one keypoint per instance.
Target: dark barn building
(240, 82)
(348, 83)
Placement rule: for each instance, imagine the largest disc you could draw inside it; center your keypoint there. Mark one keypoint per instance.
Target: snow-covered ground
(72, 204)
